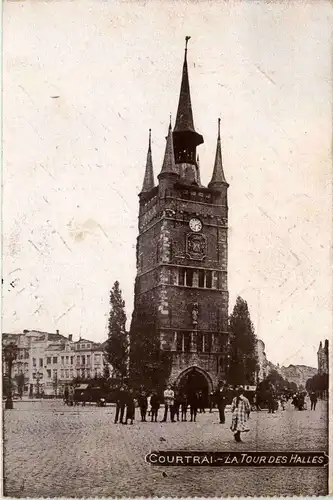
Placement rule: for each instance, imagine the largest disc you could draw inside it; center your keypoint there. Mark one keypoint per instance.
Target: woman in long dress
(240, 409)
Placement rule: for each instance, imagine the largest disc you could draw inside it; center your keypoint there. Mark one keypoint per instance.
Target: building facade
(50, 361)
(182, 255)
(322, 356)
(264, 366)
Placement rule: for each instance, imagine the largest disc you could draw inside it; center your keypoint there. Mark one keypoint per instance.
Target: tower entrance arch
(194, 380)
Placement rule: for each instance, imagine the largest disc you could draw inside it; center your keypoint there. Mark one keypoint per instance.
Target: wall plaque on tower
(196, 245)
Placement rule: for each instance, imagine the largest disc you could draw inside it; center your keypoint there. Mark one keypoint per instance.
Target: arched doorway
(194, 380)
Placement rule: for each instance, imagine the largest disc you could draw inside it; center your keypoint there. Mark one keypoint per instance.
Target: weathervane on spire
(219, 128)
(186, 41)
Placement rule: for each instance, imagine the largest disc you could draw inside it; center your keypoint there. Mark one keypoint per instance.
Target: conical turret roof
(218, 178)
(148, 181)
(169, 165)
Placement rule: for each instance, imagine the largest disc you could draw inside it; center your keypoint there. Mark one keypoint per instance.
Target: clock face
(195, 225)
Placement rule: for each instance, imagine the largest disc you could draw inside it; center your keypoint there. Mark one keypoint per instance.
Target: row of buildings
(50, 361)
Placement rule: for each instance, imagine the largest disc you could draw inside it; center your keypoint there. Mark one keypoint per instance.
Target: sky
(83, 83)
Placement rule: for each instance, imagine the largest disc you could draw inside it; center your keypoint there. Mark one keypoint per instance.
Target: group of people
(298, 400)
(178, 406)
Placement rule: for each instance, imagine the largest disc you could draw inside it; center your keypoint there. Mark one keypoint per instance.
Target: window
(208, 279)
(34, 362)
(62, 359)
(187, 342)
(199, 342)
(40, 362)
(78, 359)
(88, 359)
(72, 360)
(206, 342)
(88, 346)
(55, 373)
(201, 278)
(181, 276)
(67, 373)
(67, 360)
(179, 344)
(189, 277)
(48, 373)
(34, 376)
(61, 373)
(97, 359)
(48, 360)
(55, 360)
(83, 360)
(26, 354)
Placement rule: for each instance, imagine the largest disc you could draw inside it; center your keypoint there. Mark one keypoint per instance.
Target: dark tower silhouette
(181, 288)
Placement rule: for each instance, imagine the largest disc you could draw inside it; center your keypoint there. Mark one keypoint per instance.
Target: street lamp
(38, 377)
(10, 354)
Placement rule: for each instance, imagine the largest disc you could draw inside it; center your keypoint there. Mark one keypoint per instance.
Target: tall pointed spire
(148, 181)
(169, 166)
(198, 172)
(184, 119)
(186, 139)
(218, 178)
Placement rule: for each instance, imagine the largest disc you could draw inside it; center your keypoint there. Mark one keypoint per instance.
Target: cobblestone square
(54, 450)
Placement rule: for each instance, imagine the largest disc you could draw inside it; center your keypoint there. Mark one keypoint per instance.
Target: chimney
(70, 338)
(57, 332)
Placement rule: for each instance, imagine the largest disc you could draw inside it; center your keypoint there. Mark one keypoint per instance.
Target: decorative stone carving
(196, 245)
(195, 314)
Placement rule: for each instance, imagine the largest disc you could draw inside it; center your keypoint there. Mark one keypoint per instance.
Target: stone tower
(182, 256)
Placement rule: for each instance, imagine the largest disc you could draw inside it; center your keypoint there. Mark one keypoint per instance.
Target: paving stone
(52, 450)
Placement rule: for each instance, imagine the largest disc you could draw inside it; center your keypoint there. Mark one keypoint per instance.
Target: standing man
(193, 400)
(130, 407)
(143, 404)
(211, 402)
(120, 406)
(221, 401)
(313, 399)
(154, 405)
(184, 404)
(169, 399)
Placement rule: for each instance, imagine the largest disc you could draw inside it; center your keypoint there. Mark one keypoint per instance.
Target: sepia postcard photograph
(166, 248)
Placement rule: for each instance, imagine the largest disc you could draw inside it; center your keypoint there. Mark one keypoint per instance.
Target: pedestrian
(201, 402)
(154, 406)
(66, 393)
(283, 401)
(256, 401)
(120, 405)
(176, 406)
(143, 404)
(221, 401)
(271, 401)
(169, 398)
(184, 405)
(301, 401)
(130, 407)
(149, 405)
(240, 409)
(313, 399)
(211, 401)
(193, 400)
